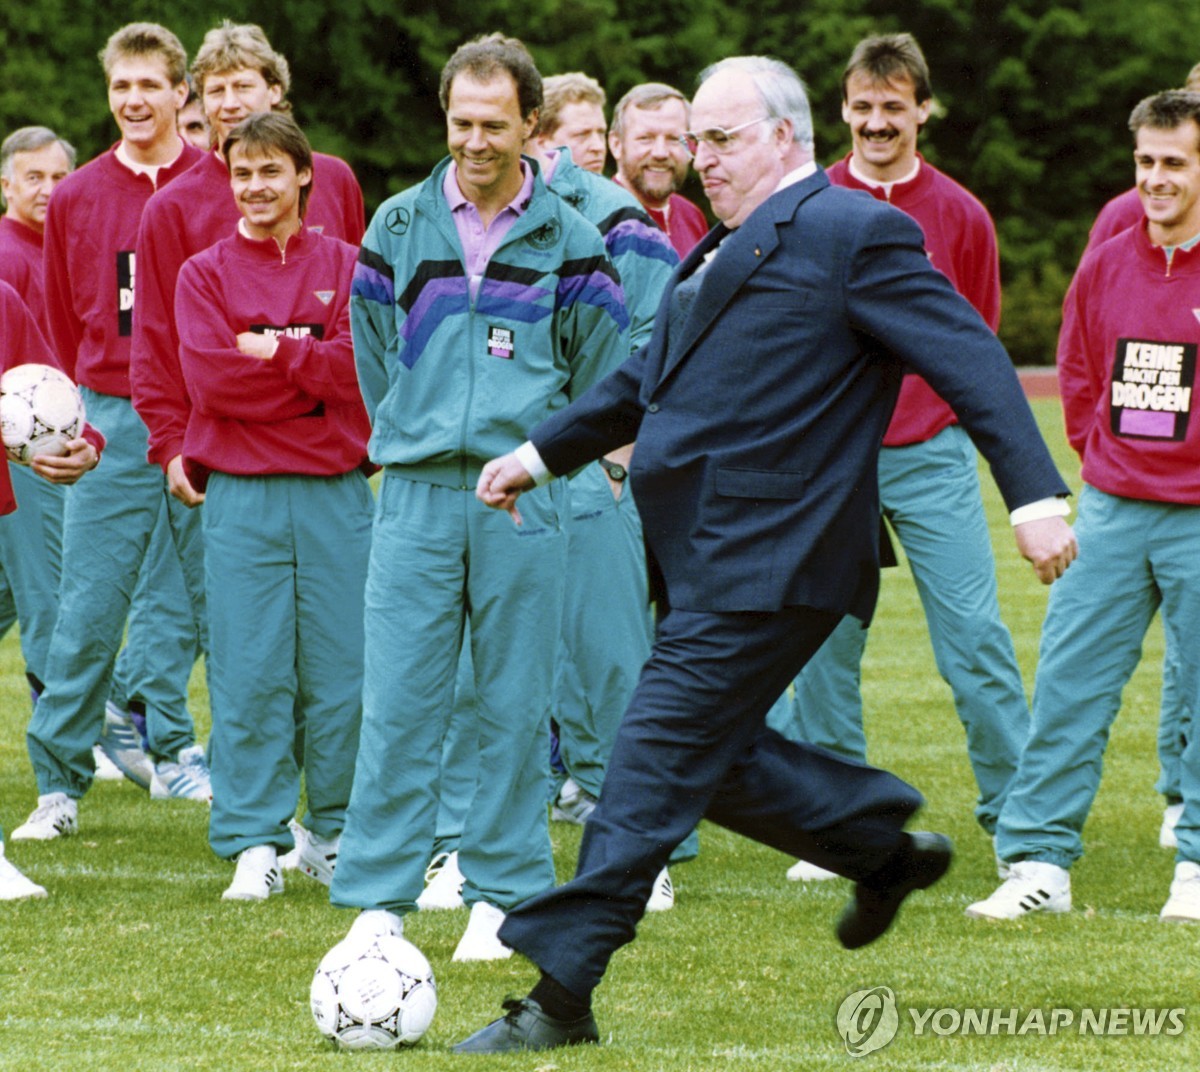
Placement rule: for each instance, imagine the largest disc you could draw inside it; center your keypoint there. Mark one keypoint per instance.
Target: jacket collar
(745, 248)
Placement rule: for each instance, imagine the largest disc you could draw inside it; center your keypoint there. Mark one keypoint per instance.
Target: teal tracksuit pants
(439, 557)
(1174, 722)
(165, 634)
(31, 561)
(608, 626)
(108, 521)
(930, 495)
(285, 568)
(162, 642)
(1135, 557)
(606, 635)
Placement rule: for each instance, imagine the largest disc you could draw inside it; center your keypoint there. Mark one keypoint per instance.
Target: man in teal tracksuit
(480, 302)
(607, 619)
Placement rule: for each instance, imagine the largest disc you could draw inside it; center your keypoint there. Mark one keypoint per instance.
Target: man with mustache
(928, 482)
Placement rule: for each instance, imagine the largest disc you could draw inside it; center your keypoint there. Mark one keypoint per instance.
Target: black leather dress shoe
(874, 906)
(525, 1026)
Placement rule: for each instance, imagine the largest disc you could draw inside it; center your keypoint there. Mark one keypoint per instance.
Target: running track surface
(1039, 382)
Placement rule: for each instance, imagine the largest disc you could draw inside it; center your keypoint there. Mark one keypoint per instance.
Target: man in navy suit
(758, 407)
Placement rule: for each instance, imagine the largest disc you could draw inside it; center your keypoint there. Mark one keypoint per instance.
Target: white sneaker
(1166, 832)
(313, 855)
(121, 743)
(479, 941)
(55, 816)
(662, 894)
(574, 804)
(290, 860)
(803, 871)
(106, 770)
(1183, 903)
(372, 922)
(13, 885)
(187, 779)
(257, 876)
(443, 884)
(1032, 886)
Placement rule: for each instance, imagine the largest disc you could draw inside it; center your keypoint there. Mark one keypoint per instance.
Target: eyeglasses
(718, 139)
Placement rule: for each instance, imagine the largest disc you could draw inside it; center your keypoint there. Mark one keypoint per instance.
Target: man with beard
(652, 162)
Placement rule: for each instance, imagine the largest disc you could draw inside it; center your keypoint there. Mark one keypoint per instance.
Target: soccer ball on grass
(373, 993)
(40, 412)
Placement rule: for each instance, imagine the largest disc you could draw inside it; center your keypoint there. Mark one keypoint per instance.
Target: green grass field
(134, 963)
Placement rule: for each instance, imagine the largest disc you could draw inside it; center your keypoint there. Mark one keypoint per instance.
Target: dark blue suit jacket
(759, 423)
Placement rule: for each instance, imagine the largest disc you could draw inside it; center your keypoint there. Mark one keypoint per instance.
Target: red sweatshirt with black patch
(185, 219)
(299, 412)
(90, 268)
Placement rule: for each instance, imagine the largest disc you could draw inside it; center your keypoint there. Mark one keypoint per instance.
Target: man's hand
(501, 482)
(253, 344)
(81, 457)
(1048, 543)
(179, 485)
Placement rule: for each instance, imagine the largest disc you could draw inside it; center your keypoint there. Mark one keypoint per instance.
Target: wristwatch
(615, 471)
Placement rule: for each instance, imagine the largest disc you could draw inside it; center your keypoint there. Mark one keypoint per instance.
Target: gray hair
(28, 140)
(779, 87)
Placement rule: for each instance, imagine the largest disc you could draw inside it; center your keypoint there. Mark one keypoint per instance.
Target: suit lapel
(743, 250)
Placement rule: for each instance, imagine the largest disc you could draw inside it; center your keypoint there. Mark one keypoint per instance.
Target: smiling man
(482, 302)
(277, 442)
(91, 228)
(1127, 357)
(652, 164)
(236, 73)
(928, 474)
(758, 407)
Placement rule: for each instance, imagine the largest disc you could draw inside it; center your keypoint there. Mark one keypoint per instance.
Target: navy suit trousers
(693, 744)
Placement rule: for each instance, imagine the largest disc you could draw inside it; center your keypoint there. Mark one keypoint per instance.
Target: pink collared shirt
(479, 243)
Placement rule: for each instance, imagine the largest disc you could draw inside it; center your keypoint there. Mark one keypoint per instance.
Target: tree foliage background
(1033, 94)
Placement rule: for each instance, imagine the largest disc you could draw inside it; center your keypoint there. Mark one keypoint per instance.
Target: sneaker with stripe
(56, 815)
(313, 855)
(186, 779)
(122, 744)
(257, 875)
(662, 894)
(1031, 886)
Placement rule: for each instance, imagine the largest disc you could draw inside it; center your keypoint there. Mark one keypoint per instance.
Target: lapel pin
(757, 251)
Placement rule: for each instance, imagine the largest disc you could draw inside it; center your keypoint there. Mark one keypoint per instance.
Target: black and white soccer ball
(40, 411)
(373, 992)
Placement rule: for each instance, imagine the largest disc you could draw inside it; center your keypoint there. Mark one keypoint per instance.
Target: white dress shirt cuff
(528, 456)
(1056, 506)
